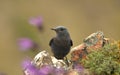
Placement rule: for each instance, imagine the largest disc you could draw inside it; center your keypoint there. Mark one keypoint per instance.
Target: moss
(104, 61)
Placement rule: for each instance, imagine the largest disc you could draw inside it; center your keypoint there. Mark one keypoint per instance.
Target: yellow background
(81, 17)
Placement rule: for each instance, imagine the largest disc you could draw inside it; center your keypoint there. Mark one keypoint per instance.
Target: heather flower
(26, 44)
(26, 63)
(37, 21)
(47, 70)
(30, 68)
(51, 70)
(60, 71)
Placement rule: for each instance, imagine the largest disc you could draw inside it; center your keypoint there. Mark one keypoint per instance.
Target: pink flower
(26, 44)
(36, 21)
(30, 68)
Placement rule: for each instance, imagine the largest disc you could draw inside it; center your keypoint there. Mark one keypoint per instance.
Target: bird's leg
(66, 61)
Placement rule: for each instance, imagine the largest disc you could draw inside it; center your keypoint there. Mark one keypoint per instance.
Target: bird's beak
(53, 29)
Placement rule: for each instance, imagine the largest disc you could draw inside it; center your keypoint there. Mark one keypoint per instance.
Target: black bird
(62, 43)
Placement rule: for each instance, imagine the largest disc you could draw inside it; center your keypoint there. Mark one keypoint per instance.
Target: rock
(95, 40)
(78, 52)
(44, 58)
(92, 42)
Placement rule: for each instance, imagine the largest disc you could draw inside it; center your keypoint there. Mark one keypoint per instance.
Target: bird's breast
(62, 42)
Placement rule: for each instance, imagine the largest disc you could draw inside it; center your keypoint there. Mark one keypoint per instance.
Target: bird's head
(61, 31)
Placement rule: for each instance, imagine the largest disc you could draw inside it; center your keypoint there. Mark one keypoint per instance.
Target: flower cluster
(25, 43)
(32, 69)
(37, 22)
(44, 64)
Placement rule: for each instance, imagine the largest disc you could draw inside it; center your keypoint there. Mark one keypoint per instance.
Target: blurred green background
(81, 17)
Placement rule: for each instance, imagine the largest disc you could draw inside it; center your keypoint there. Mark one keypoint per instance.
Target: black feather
(61, 44)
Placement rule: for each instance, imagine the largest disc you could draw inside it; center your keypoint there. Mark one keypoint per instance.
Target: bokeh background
(81, 17)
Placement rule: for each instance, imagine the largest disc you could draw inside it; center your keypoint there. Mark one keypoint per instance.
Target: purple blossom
(26, 44)
(51, 70)
(33, 70)
(30, 68)
(47, 70)
(37, 21)
(60, 71)
(26, 63)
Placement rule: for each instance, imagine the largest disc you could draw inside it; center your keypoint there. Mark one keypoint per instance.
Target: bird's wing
(51, 41)
(71, 43)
